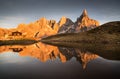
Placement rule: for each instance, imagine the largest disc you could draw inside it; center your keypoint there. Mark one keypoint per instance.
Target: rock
(84, 23)
(66, 25)
(54, 25)
(62, 21)
(39, 28)
(43, 27)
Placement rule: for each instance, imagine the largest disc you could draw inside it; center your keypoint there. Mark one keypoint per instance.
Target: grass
(106, 33)
(17, 42)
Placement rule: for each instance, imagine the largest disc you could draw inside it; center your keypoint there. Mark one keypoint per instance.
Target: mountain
(43, 28)
(104, 34)
(66, 25)
(83, 23)
(37, 30)
(4, 33)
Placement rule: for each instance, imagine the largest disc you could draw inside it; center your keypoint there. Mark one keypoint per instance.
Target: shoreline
(17, 42)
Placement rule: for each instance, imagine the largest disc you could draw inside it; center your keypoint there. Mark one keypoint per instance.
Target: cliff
(83, 23)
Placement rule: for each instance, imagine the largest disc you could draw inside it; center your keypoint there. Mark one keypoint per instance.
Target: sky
(14, 12)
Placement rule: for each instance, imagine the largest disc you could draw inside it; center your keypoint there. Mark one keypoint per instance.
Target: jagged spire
(84, 12)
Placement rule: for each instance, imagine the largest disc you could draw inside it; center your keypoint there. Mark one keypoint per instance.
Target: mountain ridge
(83, 23)
(43, 27)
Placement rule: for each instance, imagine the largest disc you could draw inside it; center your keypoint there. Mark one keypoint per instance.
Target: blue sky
(14, 12)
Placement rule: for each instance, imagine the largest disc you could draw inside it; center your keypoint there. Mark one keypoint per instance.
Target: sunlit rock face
(62, 21)
(40, 28)
(83, 23)
(37, 29)
(3, 32)
(66, 25)
(43, 27)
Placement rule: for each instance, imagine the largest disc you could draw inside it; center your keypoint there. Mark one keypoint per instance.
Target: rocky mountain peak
(66, 25)
(44, 27)
(43, 21)
(85, 23)
(83, 16)
(65, 21)
(84, 12)
(52, 23)
(62, 21)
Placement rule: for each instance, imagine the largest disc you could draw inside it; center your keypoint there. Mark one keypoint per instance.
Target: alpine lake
(67, 61)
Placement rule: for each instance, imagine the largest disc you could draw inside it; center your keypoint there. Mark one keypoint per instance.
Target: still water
(42, 61)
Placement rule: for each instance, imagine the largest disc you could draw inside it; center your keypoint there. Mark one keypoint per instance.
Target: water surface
(42, 61)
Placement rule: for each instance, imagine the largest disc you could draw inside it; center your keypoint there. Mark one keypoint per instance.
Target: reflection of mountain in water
(45, 52)
(82, 56)
(39, 50)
